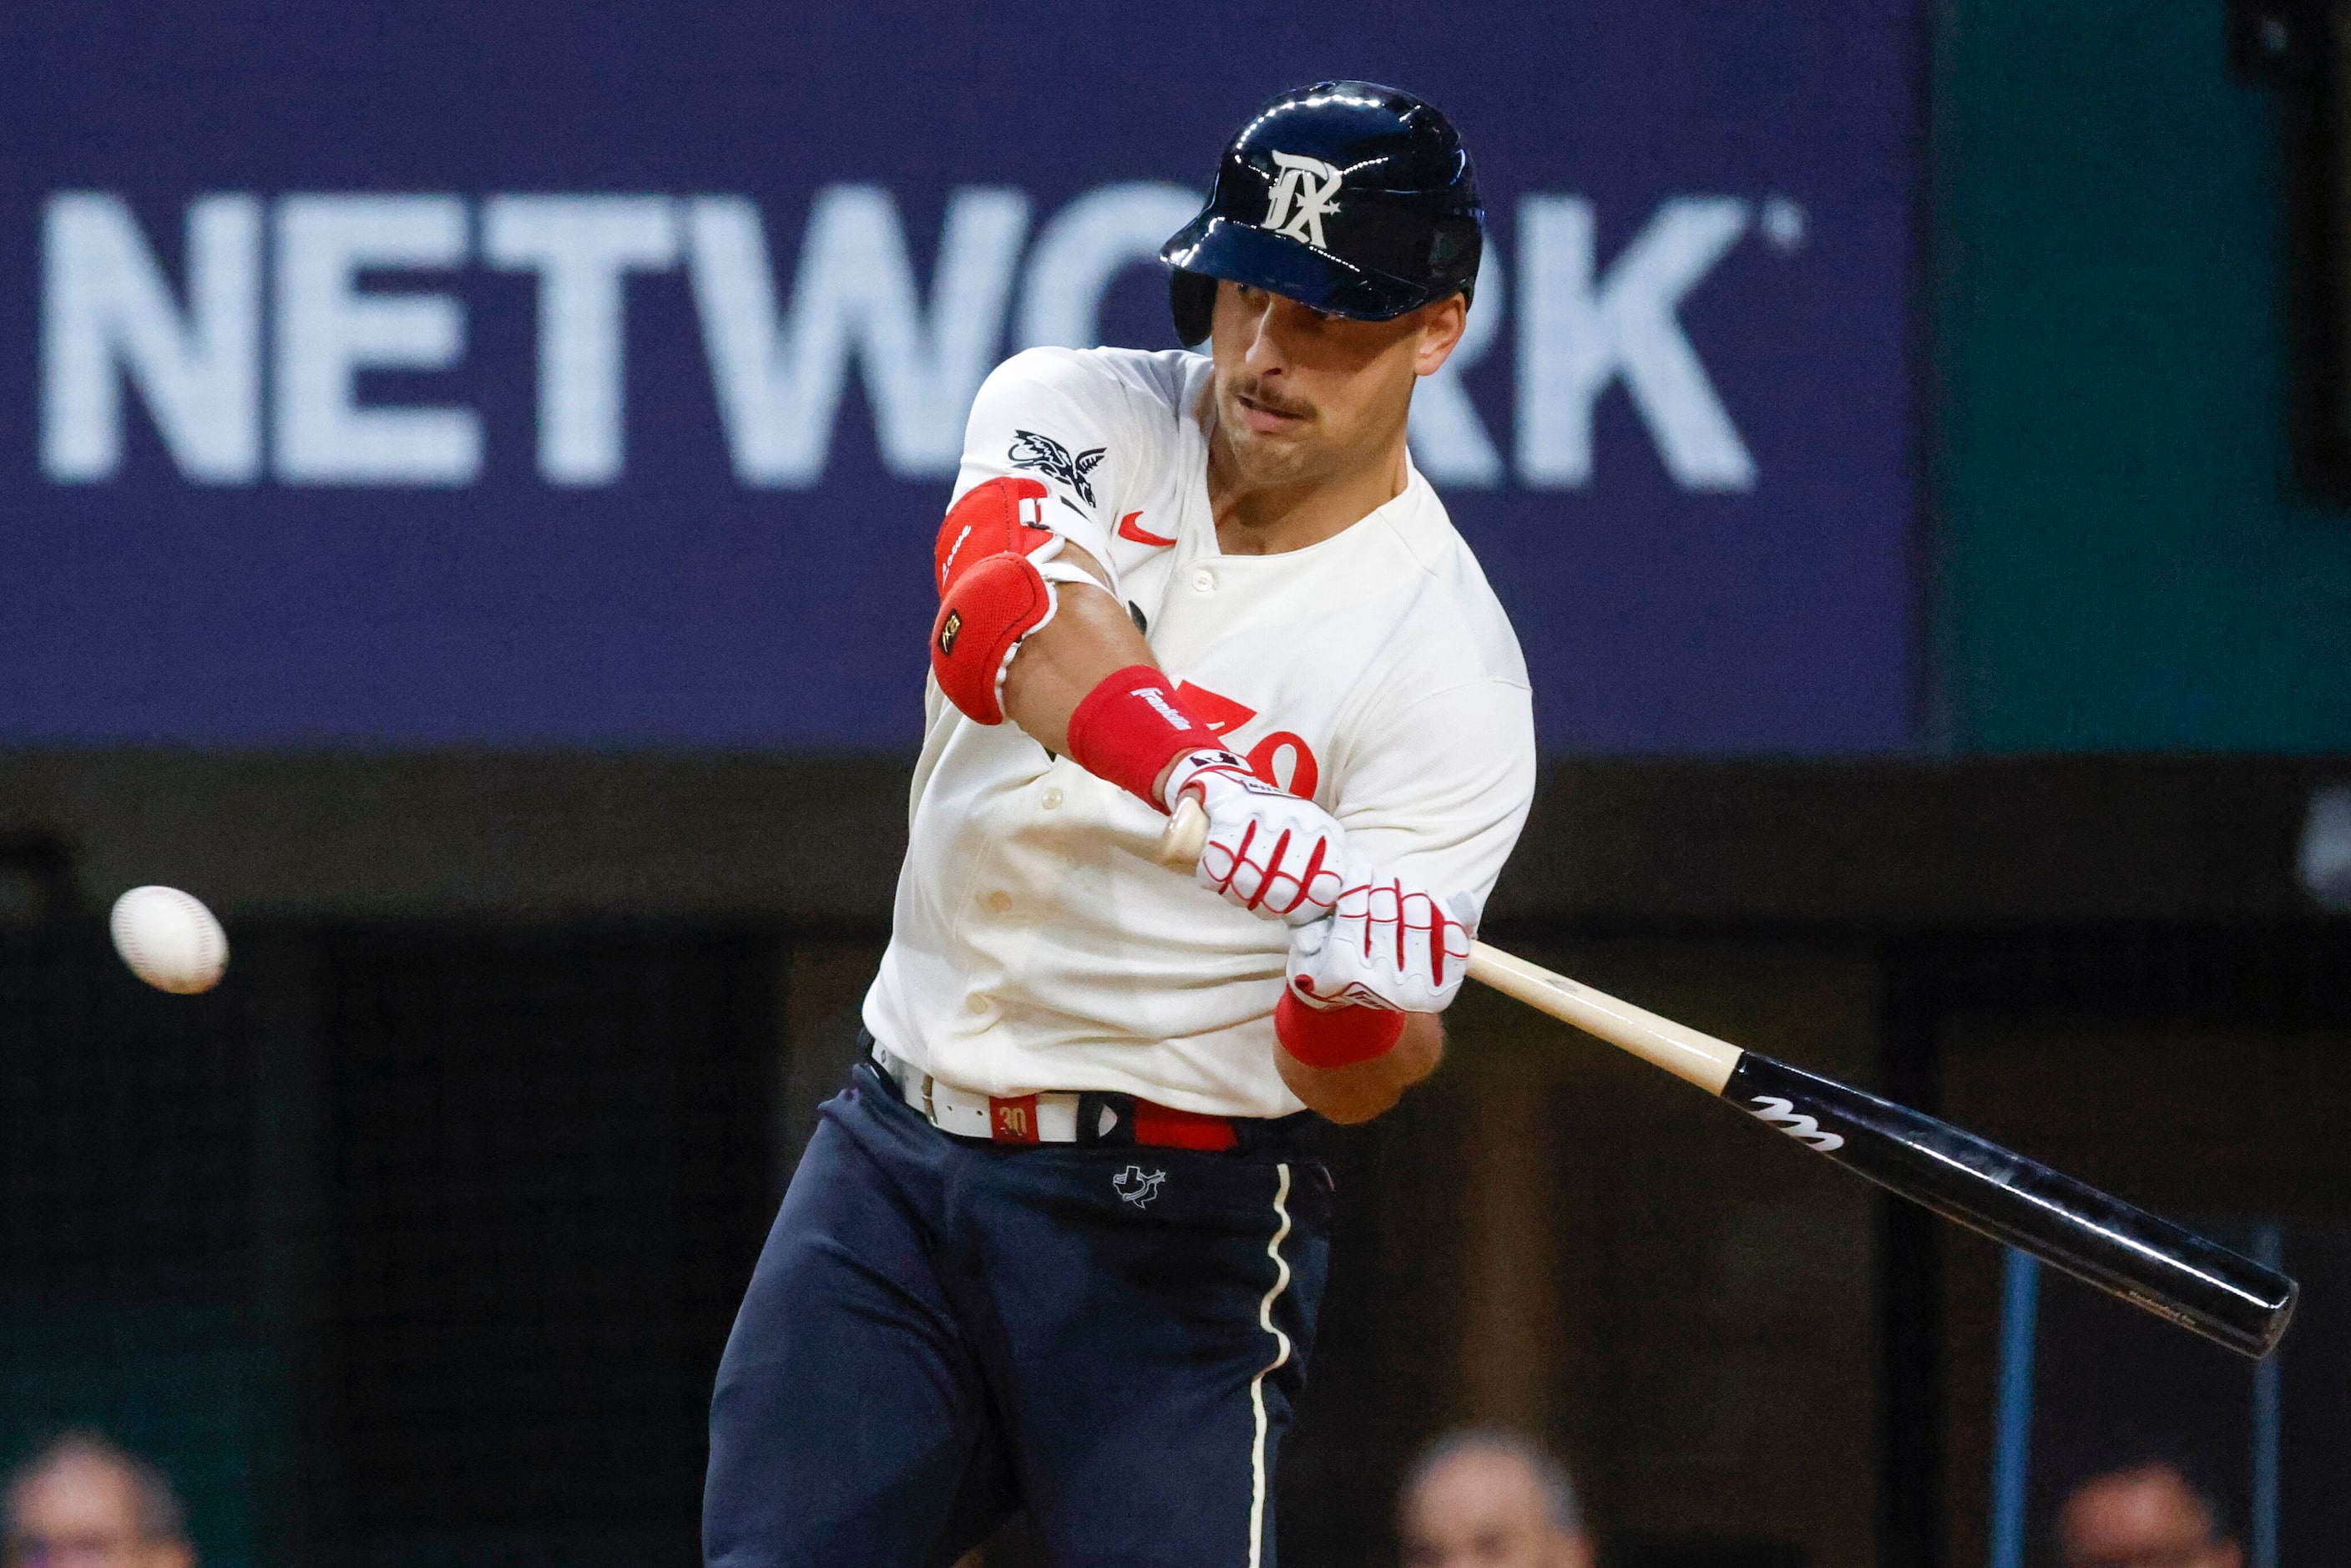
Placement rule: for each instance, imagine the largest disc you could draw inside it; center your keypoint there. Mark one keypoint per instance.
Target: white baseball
(169, 939)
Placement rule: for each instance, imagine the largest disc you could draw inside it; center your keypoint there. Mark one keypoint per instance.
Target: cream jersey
(1036, 944)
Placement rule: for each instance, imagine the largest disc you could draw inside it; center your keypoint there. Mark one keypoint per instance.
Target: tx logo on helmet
(1306, 194)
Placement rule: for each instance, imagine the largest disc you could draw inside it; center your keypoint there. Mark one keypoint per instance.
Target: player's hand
(1272, 853)
(1387, 944)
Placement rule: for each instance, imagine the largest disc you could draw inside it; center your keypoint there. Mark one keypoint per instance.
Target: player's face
(1302, 396)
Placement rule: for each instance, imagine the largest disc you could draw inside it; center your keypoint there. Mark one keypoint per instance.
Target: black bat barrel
(2124, 1251)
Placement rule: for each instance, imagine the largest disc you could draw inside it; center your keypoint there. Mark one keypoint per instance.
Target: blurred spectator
(82, 1503)
(2144, 1513)
(1493, 1499)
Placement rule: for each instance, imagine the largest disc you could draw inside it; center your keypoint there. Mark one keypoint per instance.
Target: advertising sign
(485, 375)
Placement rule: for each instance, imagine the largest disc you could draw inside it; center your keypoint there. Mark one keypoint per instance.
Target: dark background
(416, 1241)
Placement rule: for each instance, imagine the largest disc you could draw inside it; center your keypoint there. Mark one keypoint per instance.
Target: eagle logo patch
(1050, 458)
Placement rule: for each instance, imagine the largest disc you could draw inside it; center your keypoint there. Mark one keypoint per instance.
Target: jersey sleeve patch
(1058, 419)
(1055, 461)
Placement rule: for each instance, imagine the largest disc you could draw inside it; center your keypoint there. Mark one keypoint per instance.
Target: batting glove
(1387, 945)
(1272, 853)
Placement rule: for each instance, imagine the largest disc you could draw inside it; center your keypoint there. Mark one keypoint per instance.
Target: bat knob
(1185, 835)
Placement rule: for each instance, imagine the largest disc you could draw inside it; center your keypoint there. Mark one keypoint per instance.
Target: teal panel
(2123, 566)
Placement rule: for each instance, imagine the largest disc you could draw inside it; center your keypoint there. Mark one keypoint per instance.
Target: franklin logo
(1306, 194)
(954, 550)
(948, 629)
(1175, 719)
(1137, 1186)
(1050, 458)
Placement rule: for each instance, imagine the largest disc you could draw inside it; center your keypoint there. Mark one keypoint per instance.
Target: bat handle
(1185, 835)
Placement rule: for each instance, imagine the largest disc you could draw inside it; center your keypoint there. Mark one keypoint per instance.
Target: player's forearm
(1089, 639)
(1363, 1090)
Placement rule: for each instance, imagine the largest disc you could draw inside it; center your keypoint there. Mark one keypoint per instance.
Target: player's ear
(1441, 326)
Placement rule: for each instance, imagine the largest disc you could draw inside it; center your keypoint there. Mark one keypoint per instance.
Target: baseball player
(1059, 1243)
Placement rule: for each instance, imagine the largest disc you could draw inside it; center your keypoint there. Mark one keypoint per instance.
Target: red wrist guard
(1339, 1038)
(1130, 726)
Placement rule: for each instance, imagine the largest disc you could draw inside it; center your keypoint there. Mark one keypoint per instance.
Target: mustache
(1254, 389)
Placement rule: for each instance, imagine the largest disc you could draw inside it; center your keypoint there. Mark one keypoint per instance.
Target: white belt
(1047, 1118)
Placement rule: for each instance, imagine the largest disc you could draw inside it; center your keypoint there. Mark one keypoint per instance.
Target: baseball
(169, 939)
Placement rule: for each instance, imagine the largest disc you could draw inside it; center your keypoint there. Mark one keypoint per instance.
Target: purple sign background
(1701, 213)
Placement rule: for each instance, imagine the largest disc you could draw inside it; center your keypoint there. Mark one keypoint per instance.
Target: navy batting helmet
(1348, 196)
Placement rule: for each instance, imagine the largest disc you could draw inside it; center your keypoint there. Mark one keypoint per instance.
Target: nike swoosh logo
(1128, 528)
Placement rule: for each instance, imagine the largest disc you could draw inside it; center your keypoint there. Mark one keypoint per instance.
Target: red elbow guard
(1000, 517)
(991, 606)
(1338, 1037)
(1130, 726)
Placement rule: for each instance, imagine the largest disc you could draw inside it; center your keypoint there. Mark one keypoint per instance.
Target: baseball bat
(2114, 1245)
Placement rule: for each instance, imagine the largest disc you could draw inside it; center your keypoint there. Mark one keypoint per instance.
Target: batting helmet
(1348, 196)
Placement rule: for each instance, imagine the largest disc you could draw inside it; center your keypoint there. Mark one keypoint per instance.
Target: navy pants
(941, 1331)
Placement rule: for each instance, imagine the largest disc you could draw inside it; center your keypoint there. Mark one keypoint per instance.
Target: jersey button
(998, 903)
(977, 1004)
(1204, 581)
(1052, 800)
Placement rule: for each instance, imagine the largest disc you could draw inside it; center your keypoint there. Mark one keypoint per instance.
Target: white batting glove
(1387, 945)
(1272, 853)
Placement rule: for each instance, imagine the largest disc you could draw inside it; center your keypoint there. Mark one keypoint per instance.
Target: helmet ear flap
(1192, 300)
